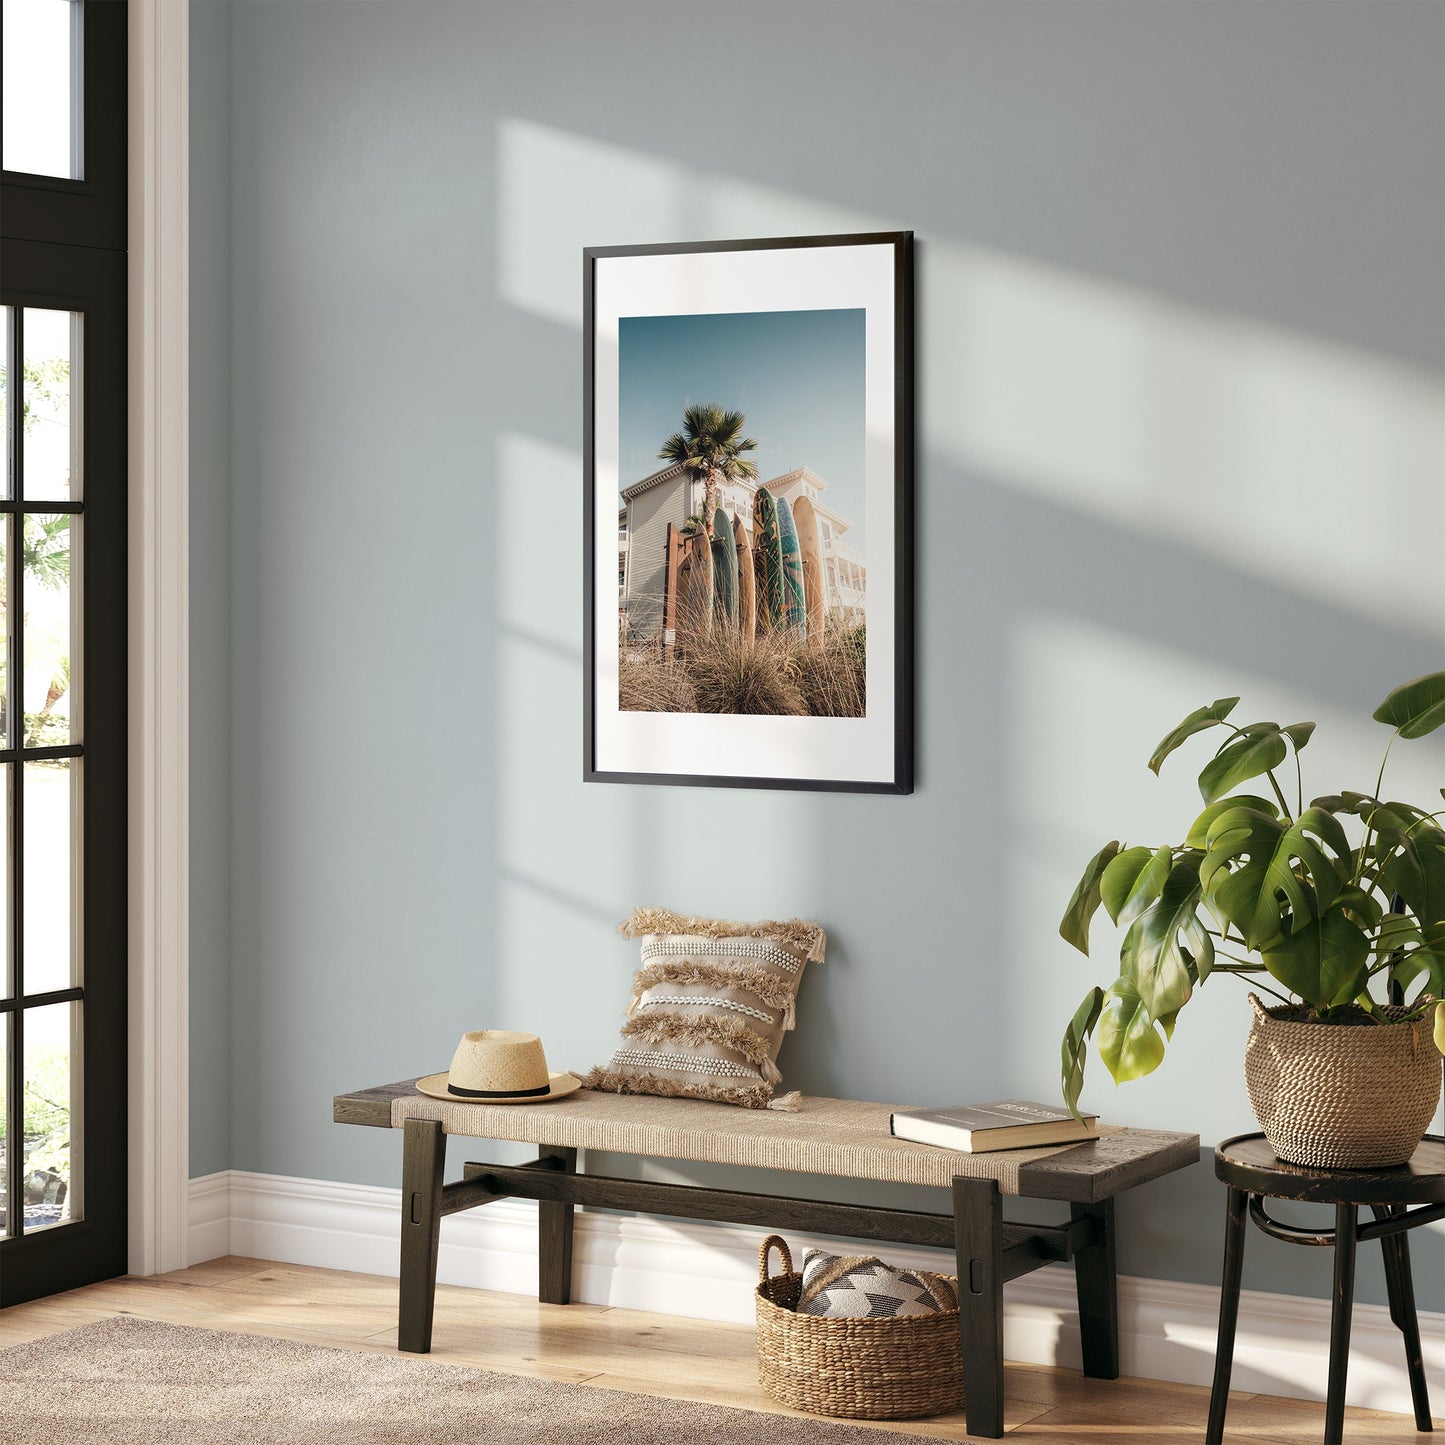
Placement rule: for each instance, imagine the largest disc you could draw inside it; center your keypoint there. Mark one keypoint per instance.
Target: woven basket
(861, 1369)
(1341, 1096)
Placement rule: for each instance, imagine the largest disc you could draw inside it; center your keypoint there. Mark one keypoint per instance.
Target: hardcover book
(1005, 1124)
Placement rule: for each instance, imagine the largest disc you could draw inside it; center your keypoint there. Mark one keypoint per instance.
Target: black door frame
(62, 246)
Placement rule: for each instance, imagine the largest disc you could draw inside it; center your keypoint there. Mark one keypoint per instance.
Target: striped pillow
(710, 1006)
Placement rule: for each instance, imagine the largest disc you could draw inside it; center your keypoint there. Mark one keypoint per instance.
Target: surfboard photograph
(742, 561)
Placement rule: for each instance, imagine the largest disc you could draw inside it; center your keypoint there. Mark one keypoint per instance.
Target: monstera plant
(1336, 908)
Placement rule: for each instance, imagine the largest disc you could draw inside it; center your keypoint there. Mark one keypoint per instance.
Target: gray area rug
(125, 1381)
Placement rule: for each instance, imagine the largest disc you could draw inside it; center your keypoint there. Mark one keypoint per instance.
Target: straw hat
(496, 1066)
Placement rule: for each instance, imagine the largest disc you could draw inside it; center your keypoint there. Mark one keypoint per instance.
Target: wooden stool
(1249, 1167)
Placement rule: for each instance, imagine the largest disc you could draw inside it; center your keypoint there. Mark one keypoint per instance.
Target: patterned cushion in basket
(710, 1006)
(862, 1287)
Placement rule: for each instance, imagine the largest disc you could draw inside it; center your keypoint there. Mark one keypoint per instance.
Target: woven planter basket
(884, 1369)
(1341, 1096)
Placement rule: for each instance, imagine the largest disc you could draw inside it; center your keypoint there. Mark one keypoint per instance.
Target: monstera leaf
(1404, 851)
(1133, 880)
(1196, 722)
(1325, 961)
(1129, 1041)
(1256, 867)
(1415, 869)
(1075, 1046)
(1396, 931)
(1254, 751)
(1199, 832)
(1425, 963)
(1415, 708)
(1074, 926)
(1168, 947)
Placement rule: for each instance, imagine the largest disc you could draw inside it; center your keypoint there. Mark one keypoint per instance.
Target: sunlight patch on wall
(1311, 465)
(1271, 453)
(559, 192)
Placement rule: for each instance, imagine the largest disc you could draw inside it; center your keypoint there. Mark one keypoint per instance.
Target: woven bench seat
(838, 1138)
(827, 1139)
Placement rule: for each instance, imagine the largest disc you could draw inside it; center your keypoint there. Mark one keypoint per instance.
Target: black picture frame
(894, 772)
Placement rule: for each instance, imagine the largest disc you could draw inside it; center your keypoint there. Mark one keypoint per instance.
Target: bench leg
(423, 1155)
(554, 1237)
(1096, 1282)
(1401, 1288)
(978, 1240)
(1235, 1224)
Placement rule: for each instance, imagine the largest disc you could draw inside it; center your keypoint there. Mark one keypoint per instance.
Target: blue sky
(796, 375)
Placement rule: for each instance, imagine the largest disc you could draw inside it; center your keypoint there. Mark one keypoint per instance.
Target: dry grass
(773, 674)
(833, 675)
(756, 676)
(654, 686)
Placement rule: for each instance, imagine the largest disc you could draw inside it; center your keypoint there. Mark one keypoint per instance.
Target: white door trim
(159, 1155)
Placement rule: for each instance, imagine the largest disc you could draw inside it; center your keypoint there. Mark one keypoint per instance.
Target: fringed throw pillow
(710, 1006)
(863, 1287)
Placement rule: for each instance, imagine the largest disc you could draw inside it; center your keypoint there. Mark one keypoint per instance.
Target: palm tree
(710, 447)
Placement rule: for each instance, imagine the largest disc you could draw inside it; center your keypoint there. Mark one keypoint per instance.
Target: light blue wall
(1180, 313)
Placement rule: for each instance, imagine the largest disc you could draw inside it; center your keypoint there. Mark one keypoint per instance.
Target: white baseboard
(209, 1225)
(707, 1271)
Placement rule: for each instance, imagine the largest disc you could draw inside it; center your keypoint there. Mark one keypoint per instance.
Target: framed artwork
(748, 556)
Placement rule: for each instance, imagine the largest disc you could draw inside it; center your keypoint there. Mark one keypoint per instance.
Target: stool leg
(1346, 1222)
(1234, 1229)
(1396, 1248)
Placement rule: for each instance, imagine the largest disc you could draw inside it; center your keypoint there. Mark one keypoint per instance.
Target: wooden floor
(646, 1353)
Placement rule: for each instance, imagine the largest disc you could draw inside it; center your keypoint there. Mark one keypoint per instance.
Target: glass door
(62, 650)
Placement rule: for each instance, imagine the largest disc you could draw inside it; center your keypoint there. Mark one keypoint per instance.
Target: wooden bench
(832, 1138)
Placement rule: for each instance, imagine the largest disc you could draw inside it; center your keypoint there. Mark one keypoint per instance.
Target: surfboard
(697, 600)
(795, 612)
(768, 561)
(747, 598)
(805, 519)
(724, 571)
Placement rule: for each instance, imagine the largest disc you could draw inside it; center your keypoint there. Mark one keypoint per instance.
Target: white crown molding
(707, 1271)
(158, 361)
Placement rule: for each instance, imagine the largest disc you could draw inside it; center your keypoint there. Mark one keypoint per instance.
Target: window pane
(51, 1075)
(51, 380)
(7, 345)
(51, 867)
(7, 971)
(49, 629)
(41, 80)
(7, 524)
(4, 1121)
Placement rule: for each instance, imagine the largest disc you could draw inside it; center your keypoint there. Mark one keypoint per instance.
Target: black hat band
(499, 1093)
